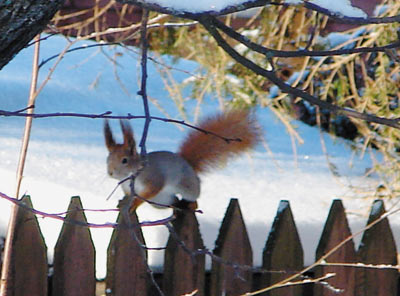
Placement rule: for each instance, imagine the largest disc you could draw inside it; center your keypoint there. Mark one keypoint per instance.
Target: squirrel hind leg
(136, 203)
(185, 204)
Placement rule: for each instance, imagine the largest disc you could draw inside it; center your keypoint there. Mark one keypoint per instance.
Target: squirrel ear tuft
(129, 140)
(108, 136)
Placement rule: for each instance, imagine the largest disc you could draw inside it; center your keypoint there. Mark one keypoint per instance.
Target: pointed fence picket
(28, 272)
(126, 269)
(184, 265)
(377, 247)
(74, 255)
(283, 253)
(336, 231)
(234, 249)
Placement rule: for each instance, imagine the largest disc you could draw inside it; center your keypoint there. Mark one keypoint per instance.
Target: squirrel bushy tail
(205, 151)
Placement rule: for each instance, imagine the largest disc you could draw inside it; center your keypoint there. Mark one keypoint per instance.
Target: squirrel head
(122, 158)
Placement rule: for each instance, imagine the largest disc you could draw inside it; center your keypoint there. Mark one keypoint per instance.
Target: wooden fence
(184, 271)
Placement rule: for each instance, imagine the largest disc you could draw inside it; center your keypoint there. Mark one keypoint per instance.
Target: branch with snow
(205, 13)
(346, 13)
(340, 9)
(209, 24)
(192, 9)
(270, 53)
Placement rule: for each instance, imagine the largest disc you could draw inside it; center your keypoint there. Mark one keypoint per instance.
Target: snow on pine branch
(339, 7)
(196, 6)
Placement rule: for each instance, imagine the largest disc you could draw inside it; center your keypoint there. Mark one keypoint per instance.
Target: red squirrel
(163, 175)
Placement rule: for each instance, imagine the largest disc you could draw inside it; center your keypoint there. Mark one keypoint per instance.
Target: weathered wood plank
(126, 268)
(29, 255)
(283, 252)
(184, 272)
(74, 255)
(234, 248)
(377, 247)
(335, 231)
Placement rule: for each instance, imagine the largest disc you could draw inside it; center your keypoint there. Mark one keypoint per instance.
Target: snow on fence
(184, 271)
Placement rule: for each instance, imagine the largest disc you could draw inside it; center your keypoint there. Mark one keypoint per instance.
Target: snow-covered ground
(67, 155)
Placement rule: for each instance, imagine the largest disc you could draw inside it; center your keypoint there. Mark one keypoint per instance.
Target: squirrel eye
(124, 160)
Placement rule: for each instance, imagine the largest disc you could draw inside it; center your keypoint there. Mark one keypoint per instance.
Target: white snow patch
(341, 7)
(196, 6)
(293, 1)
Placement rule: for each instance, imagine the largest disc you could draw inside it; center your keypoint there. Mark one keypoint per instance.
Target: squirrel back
(206, 151)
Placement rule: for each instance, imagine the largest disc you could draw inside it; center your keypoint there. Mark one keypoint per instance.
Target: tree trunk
(20, 21)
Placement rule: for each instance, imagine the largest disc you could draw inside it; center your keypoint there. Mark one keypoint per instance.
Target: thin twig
(6, 272)
(361, 265)
(61, 216)
(143, 86)
(44, 62)
(107, 115)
